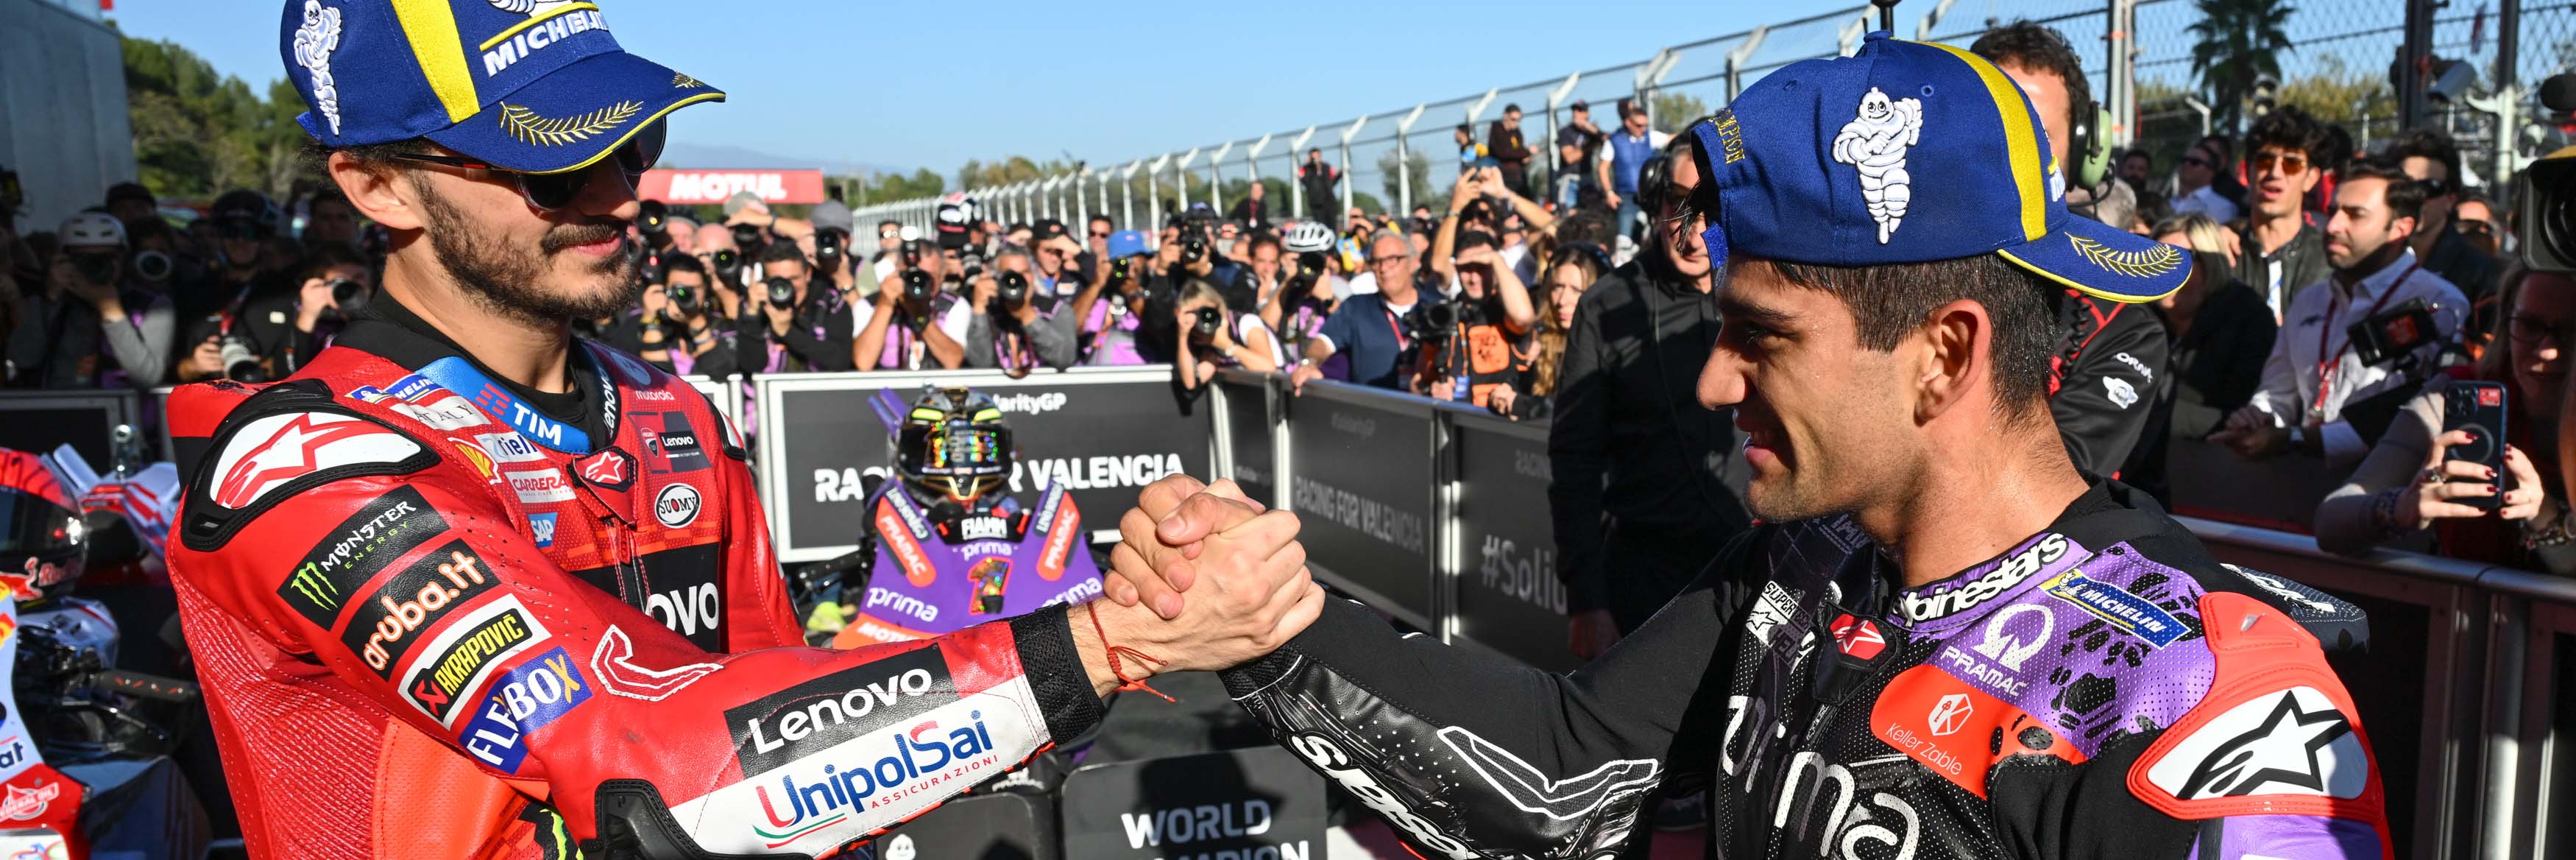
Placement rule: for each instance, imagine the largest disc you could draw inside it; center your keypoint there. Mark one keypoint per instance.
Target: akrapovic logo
(819, 714)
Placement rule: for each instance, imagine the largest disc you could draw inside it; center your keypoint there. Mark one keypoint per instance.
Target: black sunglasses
(2195, 161)
(553, 191)
(2473, 226)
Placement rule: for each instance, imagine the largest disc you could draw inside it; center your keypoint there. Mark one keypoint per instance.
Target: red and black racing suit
(438, 615)
(2103, 690)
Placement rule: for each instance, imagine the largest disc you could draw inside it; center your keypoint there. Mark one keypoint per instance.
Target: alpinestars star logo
(609, 468)
(1859, 637)
(2294, 742)
(271, 451)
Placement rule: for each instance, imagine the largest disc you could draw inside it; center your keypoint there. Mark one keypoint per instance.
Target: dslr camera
(1431, 321)
(688, 300)
(1013, 290)
(829, 247)
(781, 292)
(2548, 192)
(917, 286)
(1205, 321)
(654, 220)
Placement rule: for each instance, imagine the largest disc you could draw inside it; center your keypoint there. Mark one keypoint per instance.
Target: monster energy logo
(386, 528)
(317, 588)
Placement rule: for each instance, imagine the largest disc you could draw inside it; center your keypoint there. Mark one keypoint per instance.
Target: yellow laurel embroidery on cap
(2136, 264)
(685, 82)
(535, 130)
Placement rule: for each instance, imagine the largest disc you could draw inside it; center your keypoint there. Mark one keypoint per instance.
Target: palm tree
(2240, 40)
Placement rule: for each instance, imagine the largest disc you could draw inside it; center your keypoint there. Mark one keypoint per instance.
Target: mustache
(569, 235)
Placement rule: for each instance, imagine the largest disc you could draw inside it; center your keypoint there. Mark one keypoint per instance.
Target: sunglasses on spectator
(552, 191)
(2528, 329)
(2195, 161)
(890, 233)
(2472, 226)
(2435, 187)
(2291, 163)
(1099, 234)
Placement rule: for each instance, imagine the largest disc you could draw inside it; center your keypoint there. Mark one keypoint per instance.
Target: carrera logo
(269, 452)
(609, 468)
(466, 653)
(380, 632)
(384, 529)
(525, 698)
(1950, 598)
(539, 487)
(676, 506)
(794, 723)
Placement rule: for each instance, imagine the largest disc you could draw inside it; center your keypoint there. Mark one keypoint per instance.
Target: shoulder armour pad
(2340, 627)
(280, 442)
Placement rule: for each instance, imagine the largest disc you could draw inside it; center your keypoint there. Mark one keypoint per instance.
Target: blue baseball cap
(1126, 243)
(535, 86)
(1910, 152)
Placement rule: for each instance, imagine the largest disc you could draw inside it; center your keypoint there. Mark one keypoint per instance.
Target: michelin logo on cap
(546, 27)
(1874, 143)
(314, 42)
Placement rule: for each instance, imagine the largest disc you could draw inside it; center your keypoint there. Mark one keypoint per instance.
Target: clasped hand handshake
(1203, 578)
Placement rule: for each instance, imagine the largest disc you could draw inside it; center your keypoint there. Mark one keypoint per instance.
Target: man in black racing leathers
(1946, 642)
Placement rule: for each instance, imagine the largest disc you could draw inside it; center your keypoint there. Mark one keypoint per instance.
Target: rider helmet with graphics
(953, 446)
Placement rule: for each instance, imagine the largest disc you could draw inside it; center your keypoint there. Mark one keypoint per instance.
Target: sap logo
(524, 698)
(539, 34)
(542, 527)
(982, 528)
(846, 485)
(1962, 596)
(915, 760)
(676, 506)
(1030, 404)
(684, 610)
(380, 632)
(1327, 756)
(919, 609)
(1206, 822)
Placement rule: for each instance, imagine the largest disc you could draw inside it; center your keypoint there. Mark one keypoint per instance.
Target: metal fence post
(1556, 97)
(1347, 181)
(2120, 32)
(1126, 195)
(1404, 155)
(1735, 61)
(1297, 175)
(1252, 166)
(1216, 179)
(1181, 176)
(1154, 194)
(1647, 77)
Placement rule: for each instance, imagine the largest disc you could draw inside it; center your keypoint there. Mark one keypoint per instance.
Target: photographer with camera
(333, 282)
(725, 267)
(680, 331)
(88, 327)
(1481, 341)
(1214, 336)
(2356, 346)
(794, 328)
(914, 324)
(1370, 327)
(1110, 311)
(1298, 308)
(1009, 329)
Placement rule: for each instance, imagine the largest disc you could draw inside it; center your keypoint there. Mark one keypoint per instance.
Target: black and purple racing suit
(2105, 689)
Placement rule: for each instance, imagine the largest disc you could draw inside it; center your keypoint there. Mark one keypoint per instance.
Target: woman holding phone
(2409, 494)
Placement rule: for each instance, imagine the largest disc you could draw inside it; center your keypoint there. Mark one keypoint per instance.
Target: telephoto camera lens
(728, 263)
(917, 285)
(827, 249)
(95, 268)
(782, 292)
(152, 265)
(1118, 271)
(1311, 264)
(654, 218)
(748, 237)
(1194, 249)
(348, 295)
(239, 364)
(1208, 320)
(1013, 290)
(684, 297)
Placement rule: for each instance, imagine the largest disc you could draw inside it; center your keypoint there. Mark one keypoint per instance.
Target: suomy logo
(782, 727)
(1946, 599)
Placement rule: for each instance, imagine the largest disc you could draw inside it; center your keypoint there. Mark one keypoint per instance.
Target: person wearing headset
(1641, 493)
(2103, 380)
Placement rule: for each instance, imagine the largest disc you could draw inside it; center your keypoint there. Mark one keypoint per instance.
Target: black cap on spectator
(129, 191)
(246, 205)
(1046, 229)
(1582, 105)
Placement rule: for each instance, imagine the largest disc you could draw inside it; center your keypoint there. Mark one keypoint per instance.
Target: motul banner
(713, 186)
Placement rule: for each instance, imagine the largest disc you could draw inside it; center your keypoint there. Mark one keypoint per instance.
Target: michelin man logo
(1875, 143)
(314, 42)
(528, 7)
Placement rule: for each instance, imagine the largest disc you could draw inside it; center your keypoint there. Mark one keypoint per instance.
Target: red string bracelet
(1124, 683)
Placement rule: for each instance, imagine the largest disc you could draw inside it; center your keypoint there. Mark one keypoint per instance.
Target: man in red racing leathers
(466, 587)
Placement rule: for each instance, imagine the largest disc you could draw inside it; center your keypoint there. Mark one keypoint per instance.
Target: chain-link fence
(2335, 59)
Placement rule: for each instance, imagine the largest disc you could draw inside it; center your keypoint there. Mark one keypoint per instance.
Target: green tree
(198, 133)
(1418, 166)
(2335, 93)
(2238, 41)
(1674, 111)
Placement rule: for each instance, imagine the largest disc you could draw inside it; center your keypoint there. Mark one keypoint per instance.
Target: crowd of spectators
(1545, 287)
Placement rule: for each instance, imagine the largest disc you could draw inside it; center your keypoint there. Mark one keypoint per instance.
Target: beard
(510, 280)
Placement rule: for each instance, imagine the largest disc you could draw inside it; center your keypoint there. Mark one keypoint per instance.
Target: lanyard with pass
(2326, 361)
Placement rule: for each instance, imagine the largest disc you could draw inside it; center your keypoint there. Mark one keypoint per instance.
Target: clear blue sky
(935, 83)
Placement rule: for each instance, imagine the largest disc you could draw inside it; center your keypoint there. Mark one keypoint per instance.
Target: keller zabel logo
(1030, 404)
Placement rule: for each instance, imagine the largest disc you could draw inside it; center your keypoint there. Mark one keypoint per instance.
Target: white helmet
(92, 230)
(1305, 236)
